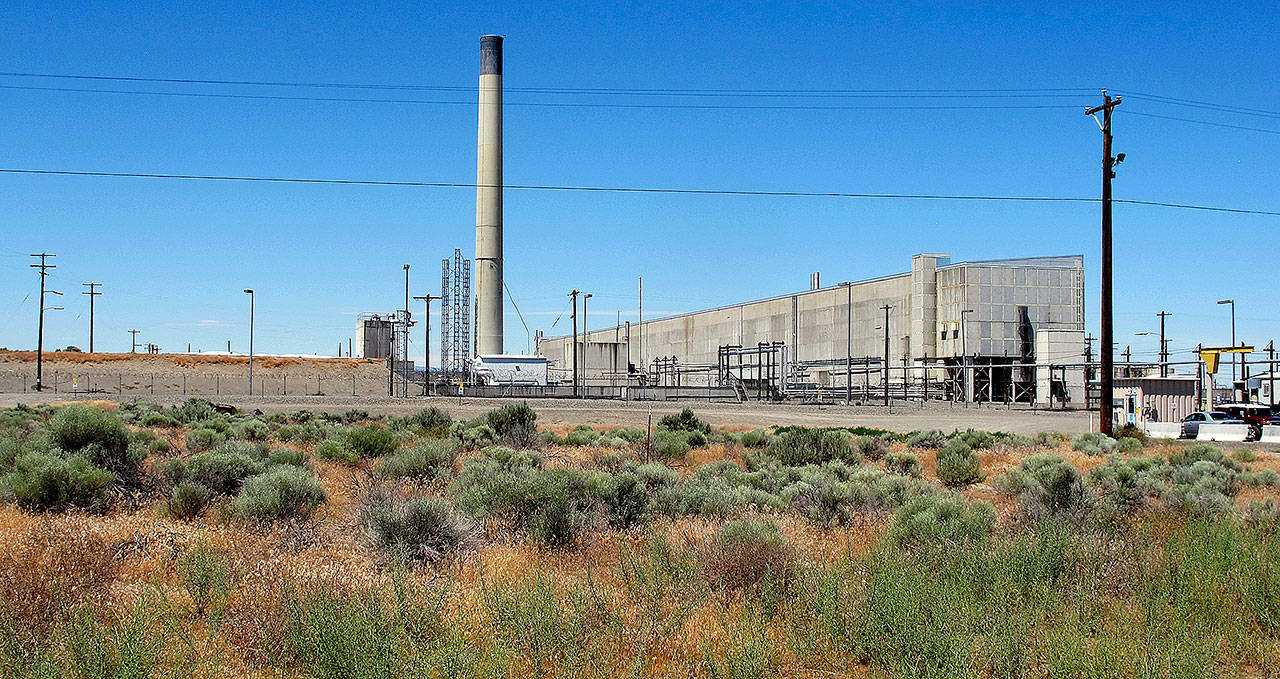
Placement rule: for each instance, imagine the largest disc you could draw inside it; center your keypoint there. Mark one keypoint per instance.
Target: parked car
(1253, 414)
(1191, 423)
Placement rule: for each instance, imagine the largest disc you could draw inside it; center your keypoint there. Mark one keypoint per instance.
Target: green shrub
(433, 421)
(1202, 452)
(371, 441)
(958, 465)
(222, 470)
(1050, 438)
(99, 435)
(872, 447)
(282, 493)
(976, 439)
(668, 446)
(201, 439)
(1131, 431)
(286, 432)
(515, 423)
(288, 456)
(926, 438)
(194, 409)
(1262, 478)
(1244, 455)
(685, 421)
(582, 435)
(756, 438)
(43, 481)
(1128, 445)
(1046, 485)
(905, 464)
(1093, 443)
(251, 430)
(159, 446)
(159, 420)
(429, 459)
(933, 520)
(335, 450)
(187, 500)
(810, 446)
(749, 553)
(551, 505)
(422, 529)
(473, 434)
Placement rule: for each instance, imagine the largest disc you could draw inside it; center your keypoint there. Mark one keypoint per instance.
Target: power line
(624, 189)
(1202, 122)
(1207, 105)
(924, 92)
(550, 104)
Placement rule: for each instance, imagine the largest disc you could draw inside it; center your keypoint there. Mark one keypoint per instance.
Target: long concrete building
(1019, 322)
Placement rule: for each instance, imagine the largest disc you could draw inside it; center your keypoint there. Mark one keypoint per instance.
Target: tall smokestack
(489, 200)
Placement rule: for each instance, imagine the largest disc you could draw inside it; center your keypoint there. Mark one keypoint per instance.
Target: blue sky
(173, 256)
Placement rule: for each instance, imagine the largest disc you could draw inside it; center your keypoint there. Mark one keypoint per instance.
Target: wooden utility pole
(1164, 351)
(91, 292)
(1108, 334)
(574, 295)
(44, 267)
(426, 382)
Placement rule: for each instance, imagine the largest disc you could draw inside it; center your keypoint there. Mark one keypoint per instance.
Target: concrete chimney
(488, 332)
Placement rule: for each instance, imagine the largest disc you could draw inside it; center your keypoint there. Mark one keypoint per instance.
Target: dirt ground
(289, 383)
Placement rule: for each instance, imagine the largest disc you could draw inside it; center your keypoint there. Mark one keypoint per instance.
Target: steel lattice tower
(455, 316)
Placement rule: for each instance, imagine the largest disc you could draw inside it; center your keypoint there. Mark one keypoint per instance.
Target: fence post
(153, 384)
(284, 390)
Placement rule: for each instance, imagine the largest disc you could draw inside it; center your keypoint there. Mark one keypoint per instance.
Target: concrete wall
(923, 319)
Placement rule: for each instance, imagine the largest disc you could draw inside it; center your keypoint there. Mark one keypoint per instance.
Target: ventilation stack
(488, 267)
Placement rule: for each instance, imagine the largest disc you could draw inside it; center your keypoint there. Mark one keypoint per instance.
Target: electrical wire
(568, 104)
(647, 190)
(921, 92)
(1202, 122)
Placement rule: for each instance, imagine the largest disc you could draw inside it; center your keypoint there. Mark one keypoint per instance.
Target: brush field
(139, 540)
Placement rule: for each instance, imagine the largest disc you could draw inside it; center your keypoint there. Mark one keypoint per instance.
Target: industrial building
(995, 330)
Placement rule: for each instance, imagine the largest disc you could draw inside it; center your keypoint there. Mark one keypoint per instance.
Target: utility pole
(44, 267)
(1271, 373)
(886, 352)
(1164, 347)
(92, 292)
(1108, 334)
(426, 382)
(1128, 364)
(404, 350)
(574, 294)
(133, 339)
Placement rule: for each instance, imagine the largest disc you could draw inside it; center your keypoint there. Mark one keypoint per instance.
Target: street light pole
(574, 316)
(585, 339)
(1232, 302)
(252, 304)
(426, 382)
(964, 353)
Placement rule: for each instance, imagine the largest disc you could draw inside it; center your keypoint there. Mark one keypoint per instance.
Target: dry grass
(49, 565)
(179, 360)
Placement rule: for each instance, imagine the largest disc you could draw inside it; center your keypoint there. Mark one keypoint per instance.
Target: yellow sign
(1210, 355)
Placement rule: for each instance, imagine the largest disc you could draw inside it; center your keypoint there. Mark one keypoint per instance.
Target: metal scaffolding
(455, 317)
